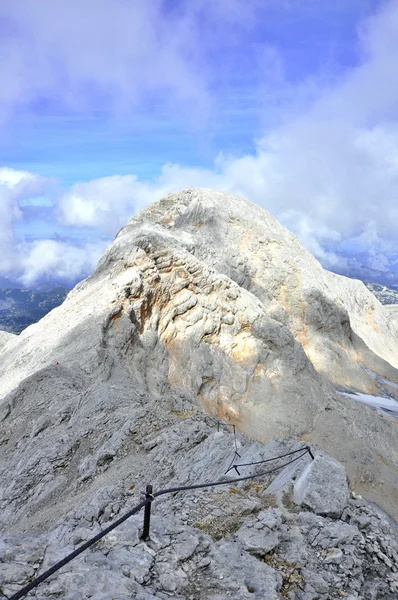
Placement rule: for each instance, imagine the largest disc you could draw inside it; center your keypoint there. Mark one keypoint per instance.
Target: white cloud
(8, 212)
(124, 57)
(58, 261)
(41, 259)
(107, 54)
(105, 204)
(15, 186)
(329, 173)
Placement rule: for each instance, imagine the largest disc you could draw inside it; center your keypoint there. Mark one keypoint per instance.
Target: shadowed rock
(203, 302)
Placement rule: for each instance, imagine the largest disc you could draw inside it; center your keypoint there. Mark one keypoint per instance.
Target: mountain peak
(204, 299)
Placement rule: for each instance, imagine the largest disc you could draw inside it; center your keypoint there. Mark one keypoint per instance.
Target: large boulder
(322, 487)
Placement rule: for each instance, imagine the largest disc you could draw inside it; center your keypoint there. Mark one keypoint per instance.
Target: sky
(107, 105)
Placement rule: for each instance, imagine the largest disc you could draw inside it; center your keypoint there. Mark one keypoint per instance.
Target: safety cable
(22, 592)
(259, 462)
(30, 586)
(198, 486)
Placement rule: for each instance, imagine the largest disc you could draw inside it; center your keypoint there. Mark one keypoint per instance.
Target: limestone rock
(6, 337)
(203, 310)
(206, 295)
(186, 559)
(258, 541)
(322, 487)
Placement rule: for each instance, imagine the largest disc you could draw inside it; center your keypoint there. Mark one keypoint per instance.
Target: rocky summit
(205, 315)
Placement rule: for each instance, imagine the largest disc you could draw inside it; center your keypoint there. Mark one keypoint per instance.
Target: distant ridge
(20, 308)
(384, 294)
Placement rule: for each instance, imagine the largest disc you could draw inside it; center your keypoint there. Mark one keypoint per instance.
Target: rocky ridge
(203, 303)
(384, 294)
(253, 539)
(206, 295)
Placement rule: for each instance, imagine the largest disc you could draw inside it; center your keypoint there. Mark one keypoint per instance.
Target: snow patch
(381, 379)
(384, 405)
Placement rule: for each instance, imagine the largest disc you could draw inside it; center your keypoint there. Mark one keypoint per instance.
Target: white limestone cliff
(203, 297)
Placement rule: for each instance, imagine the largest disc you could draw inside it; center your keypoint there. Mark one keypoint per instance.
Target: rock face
(322, 487)
(393, 313)
(242, 241)
(206, 296)
(232, 542)
(5, 337)
(203, 303)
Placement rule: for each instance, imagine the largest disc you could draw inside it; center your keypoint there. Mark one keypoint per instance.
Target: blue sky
(107, 104)
(306, 39)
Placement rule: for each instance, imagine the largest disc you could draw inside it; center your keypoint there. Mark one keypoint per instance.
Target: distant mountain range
(20, 307)
(378, 267)
(383, 293)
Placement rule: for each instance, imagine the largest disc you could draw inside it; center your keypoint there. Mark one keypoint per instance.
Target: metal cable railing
(149, 497)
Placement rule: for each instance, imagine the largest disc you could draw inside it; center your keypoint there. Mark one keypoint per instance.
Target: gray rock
(337, 533)
(257, 541)
(292, 547)
(322, 487)
(258, 580)
(271, 518)
(186, 563)
(203, 309)
(16, 573)
(316, 581)
(334, 555)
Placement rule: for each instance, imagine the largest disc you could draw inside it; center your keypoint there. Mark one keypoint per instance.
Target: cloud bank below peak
(32, 261)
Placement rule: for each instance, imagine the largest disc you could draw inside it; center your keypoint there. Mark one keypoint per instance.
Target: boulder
(322, 487)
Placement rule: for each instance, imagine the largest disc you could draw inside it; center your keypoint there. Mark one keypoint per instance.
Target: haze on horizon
(107, 105)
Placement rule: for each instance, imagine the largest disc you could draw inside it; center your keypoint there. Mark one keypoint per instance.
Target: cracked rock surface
(206, 296)
(234, 541)
(204, 309)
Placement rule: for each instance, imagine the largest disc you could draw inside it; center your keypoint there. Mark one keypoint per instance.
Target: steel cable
(266, 460)
(33, 584)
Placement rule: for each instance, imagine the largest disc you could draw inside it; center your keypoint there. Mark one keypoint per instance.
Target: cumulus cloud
(15, 187)
(329, 174)
(31, 262)
(329, 171)
(114, 56)
(180, 60)
(105, 204)
(58, 261)
(106, 54)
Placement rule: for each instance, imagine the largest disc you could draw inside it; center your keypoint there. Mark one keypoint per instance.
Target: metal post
(310, 452)
(236, 443)
(147, 513)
